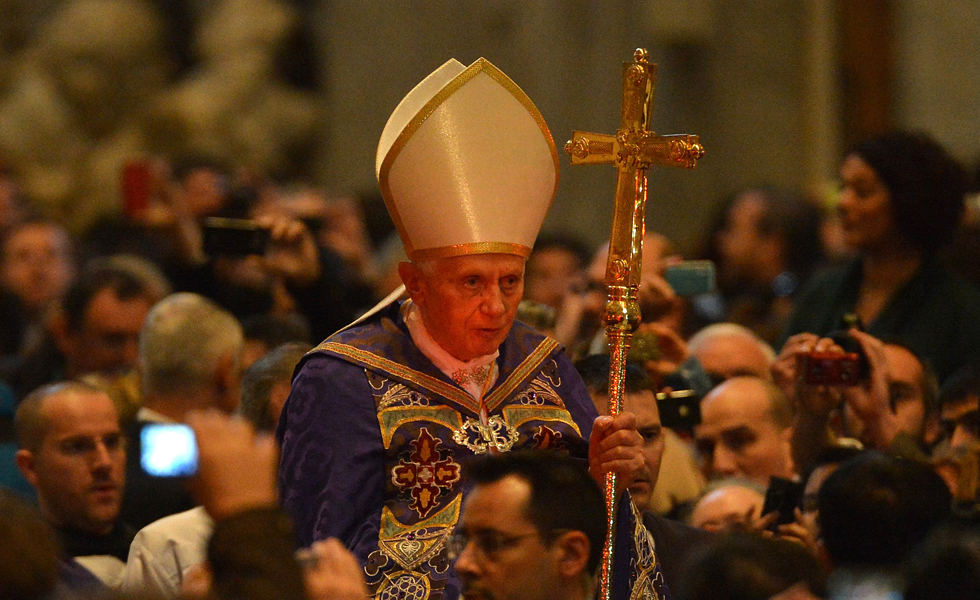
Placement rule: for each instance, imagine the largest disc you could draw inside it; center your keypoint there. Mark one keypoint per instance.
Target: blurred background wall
(777, 89)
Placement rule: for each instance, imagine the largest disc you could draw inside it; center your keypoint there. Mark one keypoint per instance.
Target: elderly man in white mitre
(383, 414)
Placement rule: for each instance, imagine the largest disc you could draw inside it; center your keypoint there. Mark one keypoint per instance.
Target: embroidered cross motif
(547, 438)
(426, 474)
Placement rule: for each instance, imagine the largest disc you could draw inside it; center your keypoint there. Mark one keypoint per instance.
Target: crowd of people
(807, 429)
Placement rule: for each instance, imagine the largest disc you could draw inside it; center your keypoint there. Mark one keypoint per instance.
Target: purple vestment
(374, 437)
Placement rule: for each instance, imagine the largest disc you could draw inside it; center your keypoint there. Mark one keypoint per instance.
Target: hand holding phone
(847, 368)
(680, 410)
(691, 277)
(234, 237)
(783, 496)
(168, 450)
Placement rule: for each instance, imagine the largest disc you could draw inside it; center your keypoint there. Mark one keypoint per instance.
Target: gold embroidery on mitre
(480, 438)
(467, 249)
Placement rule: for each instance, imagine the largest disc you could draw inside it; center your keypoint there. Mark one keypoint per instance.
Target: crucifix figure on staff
(633, 149)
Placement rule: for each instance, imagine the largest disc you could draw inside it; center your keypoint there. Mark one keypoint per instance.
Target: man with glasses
(520, 536)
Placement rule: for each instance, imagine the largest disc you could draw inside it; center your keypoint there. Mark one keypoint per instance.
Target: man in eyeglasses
(520, 536)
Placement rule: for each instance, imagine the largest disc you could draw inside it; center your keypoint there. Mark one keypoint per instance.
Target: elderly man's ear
(573, 557)
(411, 275)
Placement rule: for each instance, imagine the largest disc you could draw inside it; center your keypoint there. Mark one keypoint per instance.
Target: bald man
(727, 350)
(745, 431)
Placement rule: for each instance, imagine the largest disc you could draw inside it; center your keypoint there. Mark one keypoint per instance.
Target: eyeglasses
(488, 544)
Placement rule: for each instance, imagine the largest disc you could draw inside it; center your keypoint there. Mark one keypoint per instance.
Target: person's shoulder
(183, 522)
(668, 533)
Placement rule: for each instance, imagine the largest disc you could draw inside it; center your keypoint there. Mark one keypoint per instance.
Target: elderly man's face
(79, 468)
(468, 303)
(727, 356)
(738, 437)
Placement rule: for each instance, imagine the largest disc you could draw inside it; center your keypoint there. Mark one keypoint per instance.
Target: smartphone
(832, 368)
(679, 410)
(691, 277)
(234, 237)
(168, 450)
(137, 180)
(782, 496)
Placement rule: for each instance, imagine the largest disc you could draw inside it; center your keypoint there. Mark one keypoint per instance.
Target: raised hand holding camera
(869, 401)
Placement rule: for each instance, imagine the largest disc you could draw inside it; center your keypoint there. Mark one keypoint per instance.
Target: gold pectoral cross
(633, 149)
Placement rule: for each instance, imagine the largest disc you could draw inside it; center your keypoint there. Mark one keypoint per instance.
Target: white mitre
(467, 165)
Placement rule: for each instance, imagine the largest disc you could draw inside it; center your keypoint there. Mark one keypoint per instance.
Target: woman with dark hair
(902, 200)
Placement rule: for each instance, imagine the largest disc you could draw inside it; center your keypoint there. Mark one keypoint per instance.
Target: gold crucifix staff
(633, 150)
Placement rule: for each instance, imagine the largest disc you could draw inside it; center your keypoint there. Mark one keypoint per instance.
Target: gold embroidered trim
(519, 415)
(404, 585)
(411, 545)
(497, 396)
(399, 370)
(644, 588)
(391, 419)
(471, 248)
(391, 527)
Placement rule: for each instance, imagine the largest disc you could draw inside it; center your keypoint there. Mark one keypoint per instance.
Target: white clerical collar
(475, 376)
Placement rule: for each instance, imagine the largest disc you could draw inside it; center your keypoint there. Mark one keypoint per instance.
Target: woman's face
(865, 206)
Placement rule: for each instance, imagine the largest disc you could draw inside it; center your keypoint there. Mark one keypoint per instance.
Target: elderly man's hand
(616, 447)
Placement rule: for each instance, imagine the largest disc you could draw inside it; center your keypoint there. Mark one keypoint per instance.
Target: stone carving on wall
(94, 89)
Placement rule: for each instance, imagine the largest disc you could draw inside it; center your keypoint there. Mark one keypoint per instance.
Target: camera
(680, 410)
(168, 450)
(846, 368)
(234, 237)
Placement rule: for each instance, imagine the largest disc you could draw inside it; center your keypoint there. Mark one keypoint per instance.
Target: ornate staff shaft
(633, 150)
